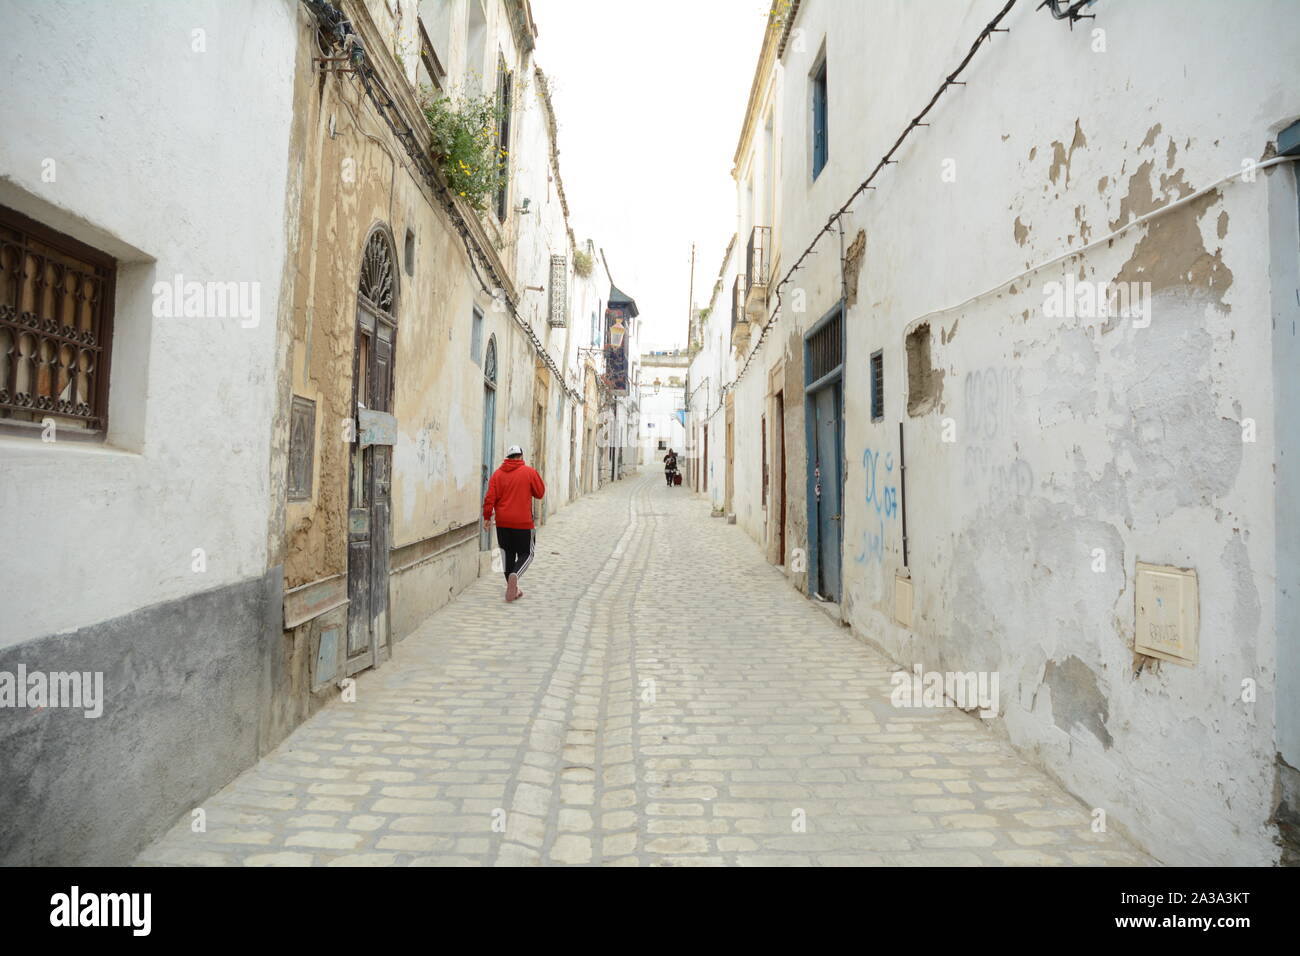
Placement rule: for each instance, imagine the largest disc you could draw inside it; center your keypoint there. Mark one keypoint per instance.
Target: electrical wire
(331, 20)
(886, 160)
(1109, 237)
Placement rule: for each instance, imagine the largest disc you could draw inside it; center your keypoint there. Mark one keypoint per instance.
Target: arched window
(378, 287)
(490, 363)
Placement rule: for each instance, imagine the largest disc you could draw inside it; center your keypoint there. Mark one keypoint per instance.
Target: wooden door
(370, 479)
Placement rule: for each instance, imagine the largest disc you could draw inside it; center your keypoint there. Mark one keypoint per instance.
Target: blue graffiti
(883, 498)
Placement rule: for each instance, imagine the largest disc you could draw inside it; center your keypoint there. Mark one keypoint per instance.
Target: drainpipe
(902, 488)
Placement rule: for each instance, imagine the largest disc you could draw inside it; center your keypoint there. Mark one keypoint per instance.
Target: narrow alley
(657, 697)
(888, 410)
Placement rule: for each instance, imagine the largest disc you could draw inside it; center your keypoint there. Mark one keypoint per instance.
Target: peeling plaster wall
(1071, 434)
(358, 177)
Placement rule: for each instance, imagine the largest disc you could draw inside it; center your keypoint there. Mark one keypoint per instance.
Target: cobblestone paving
(659, 696)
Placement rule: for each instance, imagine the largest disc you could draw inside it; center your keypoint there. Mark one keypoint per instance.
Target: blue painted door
(828, 490)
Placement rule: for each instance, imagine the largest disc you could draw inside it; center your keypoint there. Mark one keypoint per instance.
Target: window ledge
(18, 448)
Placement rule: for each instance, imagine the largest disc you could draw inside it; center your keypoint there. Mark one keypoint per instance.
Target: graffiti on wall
(991, 470)
(882, 503)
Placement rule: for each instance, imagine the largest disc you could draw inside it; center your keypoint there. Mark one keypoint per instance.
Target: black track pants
(516, 546)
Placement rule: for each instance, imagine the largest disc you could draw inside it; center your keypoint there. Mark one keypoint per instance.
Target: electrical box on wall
(903, 600)
(1168, 618)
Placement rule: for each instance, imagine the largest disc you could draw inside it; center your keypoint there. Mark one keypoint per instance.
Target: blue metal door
(828, 489)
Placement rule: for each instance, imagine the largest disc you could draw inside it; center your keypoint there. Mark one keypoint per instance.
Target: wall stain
(1061, 158)
(1172, 255)
(1076, 699)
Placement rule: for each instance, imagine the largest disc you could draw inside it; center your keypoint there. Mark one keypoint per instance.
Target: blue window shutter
(819, 121)
(1288, 141)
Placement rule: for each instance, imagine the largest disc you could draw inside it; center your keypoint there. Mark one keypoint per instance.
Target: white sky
(649, 98)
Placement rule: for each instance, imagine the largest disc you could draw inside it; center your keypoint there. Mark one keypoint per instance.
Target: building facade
(254, 378)
(1062, 447)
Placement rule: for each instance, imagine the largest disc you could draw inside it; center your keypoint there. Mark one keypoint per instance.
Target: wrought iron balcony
(758, 260)
(738, 301)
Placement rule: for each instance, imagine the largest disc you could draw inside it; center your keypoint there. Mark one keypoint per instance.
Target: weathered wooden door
(730, 450)
(489, 430)
(538, 450)
(779, 448)
(369, 494)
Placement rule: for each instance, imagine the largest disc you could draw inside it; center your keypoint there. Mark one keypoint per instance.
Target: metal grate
(877, 386)
(826, 349)
(56, 312)
(559, 292)
(756, 257)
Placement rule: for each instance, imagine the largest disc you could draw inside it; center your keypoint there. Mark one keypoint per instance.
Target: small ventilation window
(877, 386)
(410, 253)
(476, 337)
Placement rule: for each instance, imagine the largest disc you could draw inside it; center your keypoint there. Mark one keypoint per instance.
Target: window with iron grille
(302, 447)
(559, 290)
(826, 348)
(56, 323)
(877, 386)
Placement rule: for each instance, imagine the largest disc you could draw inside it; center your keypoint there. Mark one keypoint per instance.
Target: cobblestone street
(659, 696)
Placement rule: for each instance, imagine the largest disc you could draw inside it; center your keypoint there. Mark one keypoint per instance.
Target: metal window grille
(56, 321)
(559, 291)
(877, 387)
(826, 349)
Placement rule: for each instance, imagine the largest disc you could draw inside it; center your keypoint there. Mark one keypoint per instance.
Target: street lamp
(616, 332)
(657, 385)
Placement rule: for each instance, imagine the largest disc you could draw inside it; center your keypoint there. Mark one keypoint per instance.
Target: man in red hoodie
(510, 494)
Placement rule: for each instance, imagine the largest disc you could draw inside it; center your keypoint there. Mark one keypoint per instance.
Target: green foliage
(583, 263)
(463, 131)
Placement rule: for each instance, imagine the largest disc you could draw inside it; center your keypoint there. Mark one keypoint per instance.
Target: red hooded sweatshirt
(510, 493)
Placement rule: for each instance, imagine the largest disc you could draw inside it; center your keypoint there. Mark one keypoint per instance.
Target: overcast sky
(650, 98)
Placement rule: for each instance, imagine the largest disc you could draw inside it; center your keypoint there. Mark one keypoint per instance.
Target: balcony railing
(758, 260)
(738, 301)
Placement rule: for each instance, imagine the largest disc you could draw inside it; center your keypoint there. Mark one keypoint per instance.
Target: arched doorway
(370, 479)
(489, 427)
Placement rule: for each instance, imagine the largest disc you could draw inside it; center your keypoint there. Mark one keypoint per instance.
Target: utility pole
(690, 305)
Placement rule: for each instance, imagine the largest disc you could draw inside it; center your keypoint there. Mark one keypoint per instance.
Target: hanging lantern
(616, 333)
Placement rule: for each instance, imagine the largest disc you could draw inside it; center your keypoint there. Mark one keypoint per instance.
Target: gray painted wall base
(187, 687)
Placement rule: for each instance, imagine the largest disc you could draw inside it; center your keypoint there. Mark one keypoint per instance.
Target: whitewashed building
(257, 358)
(1037, 350)
(136, 461)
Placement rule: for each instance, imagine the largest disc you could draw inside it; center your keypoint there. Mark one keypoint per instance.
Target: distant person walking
(510, 495)
(670, 466)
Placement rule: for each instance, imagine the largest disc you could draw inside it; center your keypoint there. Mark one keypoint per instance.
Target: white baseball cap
(514, 450)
